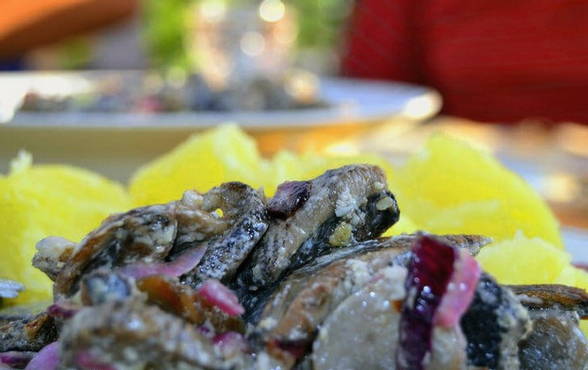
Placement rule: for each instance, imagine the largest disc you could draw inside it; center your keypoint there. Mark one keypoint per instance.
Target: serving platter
(347, 100)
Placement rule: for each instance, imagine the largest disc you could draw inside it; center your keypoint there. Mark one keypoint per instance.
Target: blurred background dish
(116, 98)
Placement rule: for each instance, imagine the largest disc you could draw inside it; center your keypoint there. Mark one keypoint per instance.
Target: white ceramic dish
(357, 101)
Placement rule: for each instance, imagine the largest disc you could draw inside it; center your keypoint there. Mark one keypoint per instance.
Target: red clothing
(492, 60)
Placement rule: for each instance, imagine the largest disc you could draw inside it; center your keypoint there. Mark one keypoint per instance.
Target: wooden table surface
(25, 25)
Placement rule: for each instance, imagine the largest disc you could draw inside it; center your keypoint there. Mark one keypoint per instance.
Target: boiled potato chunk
(450, 186)
(39, 201)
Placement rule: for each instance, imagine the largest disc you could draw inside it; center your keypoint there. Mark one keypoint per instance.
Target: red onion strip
(460, 291)
(181, 265)
(440, 287)
(16, 359)
(220, 296)
(47, 359)
(230, 339)
(62, 310)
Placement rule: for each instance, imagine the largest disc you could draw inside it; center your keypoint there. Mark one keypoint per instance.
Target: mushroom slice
(302, 302)
(362, 332)
(546, 296)
(133, 335)
(292, 310)
(343, 206)
(28, 334)
(150, 235)
(556, 342)
(52, 254)
(191, 305)
(244, 210)
(141, 235)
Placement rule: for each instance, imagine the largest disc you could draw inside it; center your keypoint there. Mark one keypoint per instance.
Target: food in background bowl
(154, 94)
(231, 279)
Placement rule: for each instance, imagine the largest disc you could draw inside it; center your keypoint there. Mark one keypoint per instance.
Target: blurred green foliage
(75, 54)
(320, 23)
(165, 32)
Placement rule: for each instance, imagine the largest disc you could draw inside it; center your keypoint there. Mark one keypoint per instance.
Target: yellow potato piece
(39, 201)
(205, 160)
(461, 219)
(573, 276)
(524, 260)
(224, 154)
(584, 327)
(451, 187)
(404, 226)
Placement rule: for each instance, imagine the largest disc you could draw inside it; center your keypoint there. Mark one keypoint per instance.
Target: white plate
(356, 101)
(576, 242)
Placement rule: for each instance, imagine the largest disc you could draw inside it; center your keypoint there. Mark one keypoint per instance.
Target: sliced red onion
(289, 197)
(62, 310)
(216, 294)
(181, 265)
(47, 358)
(460, 291)
(435, 266)
(87, 361)
(16, 360)
(230, 340)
